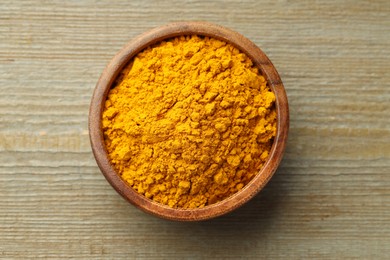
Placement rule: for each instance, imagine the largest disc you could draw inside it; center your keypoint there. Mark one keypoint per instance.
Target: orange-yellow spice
(189, 122)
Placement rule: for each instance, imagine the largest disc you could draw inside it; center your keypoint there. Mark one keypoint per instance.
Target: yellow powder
(189, 122)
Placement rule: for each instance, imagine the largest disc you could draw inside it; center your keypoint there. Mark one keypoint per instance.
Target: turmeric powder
(189, 122)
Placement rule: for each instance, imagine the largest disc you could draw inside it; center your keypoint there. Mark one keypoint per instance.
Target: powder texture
(189, 122)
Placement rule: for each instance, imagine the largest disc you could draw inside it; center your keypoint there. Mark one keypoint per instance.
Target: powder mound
(189, 122)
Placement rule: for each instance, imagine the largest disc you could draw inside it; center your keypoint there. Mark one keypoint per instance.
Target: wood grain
(329, 199)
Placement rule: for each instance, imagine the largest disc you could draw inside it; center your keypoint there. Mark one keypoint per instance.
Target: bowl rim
(122, 58)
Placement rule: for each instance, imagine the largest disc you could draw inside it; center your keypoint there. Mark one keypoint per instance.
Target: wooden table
(329, 199)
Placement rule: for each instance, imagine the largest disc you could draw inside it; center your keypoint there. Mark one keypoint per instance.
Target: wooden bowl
(117, 64)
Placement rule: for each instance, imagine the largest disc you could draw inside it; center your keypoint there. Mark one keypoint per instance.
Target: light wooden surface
(329, 199)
